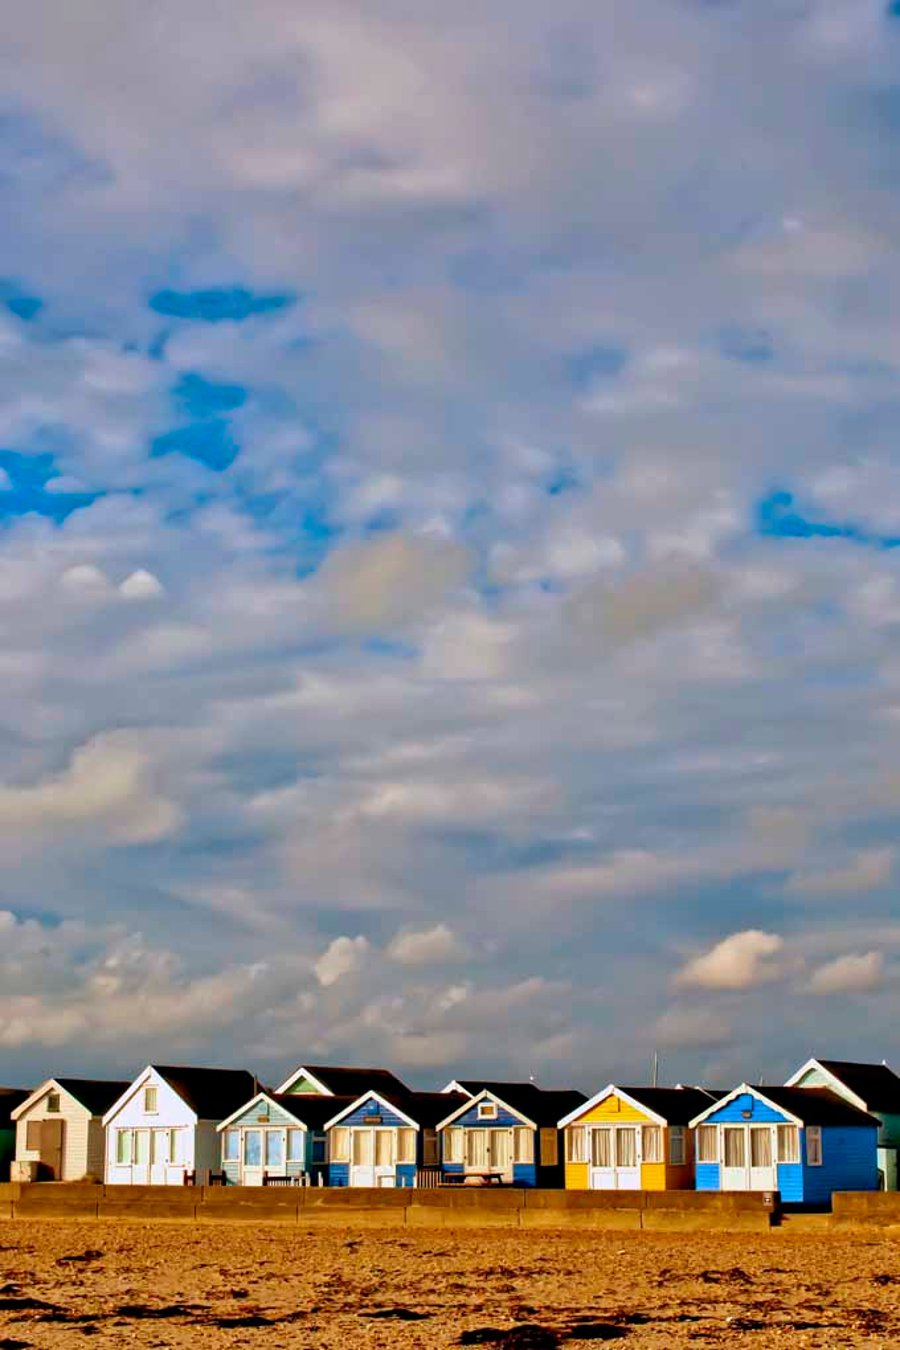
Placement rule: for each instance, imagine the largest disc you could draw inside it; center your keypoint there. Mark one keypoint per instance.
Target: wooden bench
(474, 1179)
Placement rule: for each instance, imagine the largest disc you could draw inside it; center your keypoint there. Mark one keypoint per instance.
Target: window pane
(500, 1148)
(141, 1145)
(363, 1147)
(406, 1146)
(429, 1149)
(53, 1103)
(453, 1145)
(274, 1148)
(601, 1148)
(232, 1145)
(159, 1146)
(676, 1146)
(295, 1145)
(734, 1146)
(814, 1145)
(651, 1144)
(123, 1146)
(523, 1145)
(384, 1148)
(788, 1144)
(252, 1148)
(626, 1148)
(339, 1143)
(707, 1149)
(549, 1146)
(476, 1149)
(761, 1148)
(150, 1100)
(575, 1144)
(174, 1136)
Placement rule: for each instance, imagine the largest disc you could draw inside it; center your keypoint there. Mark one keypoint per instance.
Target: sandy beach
(177, 1285)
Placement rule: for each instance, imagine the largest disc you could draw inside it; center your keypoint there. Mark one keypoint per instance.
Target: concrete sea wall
(487, 1207)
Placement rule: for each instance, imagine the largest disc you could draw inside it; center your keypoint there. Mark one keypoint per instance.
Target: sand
(177, 1285)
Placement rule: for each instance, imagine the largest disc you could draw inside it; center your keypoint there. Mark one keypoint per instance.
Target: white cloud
(141, 585)
(853, 974)
(425, 947)
(344, 956)
(740, 961)
(86, 580)
(390, 580)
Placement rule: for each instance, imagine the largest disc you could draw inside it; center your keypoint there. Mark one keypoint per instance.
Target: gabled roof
(210, 1093)
(345, 1081)
(308, 1108)
(535, 1106)
(875, 1086)
(10, 1098)
(96, 1095)
(400, 1103)
(804, 1106)
(665, 1105)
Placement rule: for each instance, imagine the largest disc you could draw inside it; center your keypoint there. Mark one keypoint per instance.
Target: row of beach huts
(835, 1125)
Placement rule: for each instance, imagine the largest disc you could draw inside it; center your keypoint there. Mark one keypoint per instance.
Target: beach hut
(59, 1129)
(330, 1080)
(386, 1141)
(507, 1132)
(278, 1136)
(10, 1098)
(803, 1142)
(162, 1129)
(872, 1087)
(633, 1138)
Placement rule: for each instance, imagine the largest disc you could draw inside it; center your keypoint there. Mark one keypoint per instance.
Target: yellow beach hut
(634, 1139)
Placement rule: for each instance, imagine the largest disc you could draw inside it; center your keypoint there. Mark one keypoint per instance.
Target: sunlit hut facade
(633, 1138)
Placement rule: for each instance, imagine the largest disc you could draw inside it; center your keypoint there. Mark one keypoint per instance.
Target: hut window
(174, 1136)
(53, 1104)
(549, 1147)
(340, 1144)
(651, 1144)
(814, 1145)
(150, 1101)
(707, 1144)
(406, 1146)
(384, 1148)
(318, 1149)
(788, 1144)
(430, 1156)
(676, 1146)
(499, 1143)
(476, 1148)
(576, 1151)
(626, 1147)
(232, 1151)
(453, 1145)
(487, 1110)
(761, 1147)
(295, 1145)
(601, 1148)
(123, 1147)
(735, 1154)
(523, 1145)
(274, 1148)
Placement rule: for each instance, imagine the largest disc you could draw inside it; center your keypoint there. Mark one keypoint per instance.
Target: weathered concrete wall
(866, 1207)
(348, 1207)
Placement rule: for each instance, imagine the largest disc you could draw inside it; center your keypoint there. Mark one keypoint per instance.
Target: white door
(748, 1158)
(252, 1158)
(159, 1157)
(140, 1168)
(615, 1163)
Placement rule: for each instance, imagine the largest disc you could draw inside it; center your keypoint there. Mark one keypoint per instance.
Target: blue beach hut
(508, 1132)
(381, 1140)
(803, 1142)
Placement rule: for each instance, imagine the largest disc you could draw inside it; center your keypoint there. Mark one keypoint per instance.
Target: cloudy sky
(449, 502)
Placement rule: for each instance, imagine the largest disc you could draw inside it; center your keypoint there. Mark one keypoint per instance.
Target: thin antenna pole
(656, 1068)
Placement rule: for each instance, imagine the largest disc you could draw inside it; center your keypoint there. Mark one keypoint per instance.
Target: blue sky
(448, 524)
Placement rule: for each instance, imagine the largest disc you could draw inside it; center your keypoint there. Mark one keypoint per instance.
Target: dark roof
(311, 1108)
(349, 1081)
(212, 1094)
(677, 1106)
(544, 1106)
(96, 1094)
(430, 1108)
(10, 1098)
(875, 1084)
(816, 1106)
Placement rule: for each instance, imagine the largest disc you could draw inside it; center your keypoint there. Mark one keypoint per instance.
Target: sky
(449, 536)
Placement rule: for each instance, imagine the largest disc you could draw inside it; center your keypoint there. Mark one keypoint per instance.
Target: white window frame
(576, 1144)
(487, 1111)
(652, 1144)
(454, 1148)
(406, 1144)
(124, 1147)
(339, 1144)
(430, 1155)
(232, 1141)
(677, 1145)
(704, 1133)
(523, 1144)
(151, 1094)
(791, 1135)
(814, 1145)
(294, 1145)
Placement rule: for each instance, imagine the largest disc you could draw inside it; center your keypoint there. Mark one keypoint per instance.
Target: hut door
(615, 1158)
(51, 1147)
(748, 1158)
(763, 1176)
(252, 1169)
(362, 1157)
